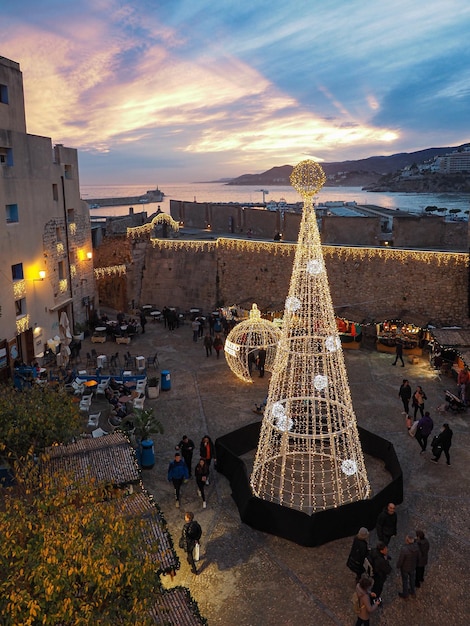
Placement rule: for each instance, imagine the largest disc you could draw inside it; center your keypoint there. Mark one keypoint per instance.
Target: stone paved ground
(251, 579)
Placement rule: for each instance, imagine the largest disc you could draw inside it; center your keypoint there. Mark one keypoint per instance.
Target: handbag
(182, 543)
(196, 552)
(414, 428)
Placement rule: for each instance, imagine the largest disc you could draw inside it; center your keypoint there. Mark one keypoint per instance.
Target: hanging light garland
(19, 289)
(110, 270)
(245, 339)
(22, 324)
(309, 456)
(137, 232)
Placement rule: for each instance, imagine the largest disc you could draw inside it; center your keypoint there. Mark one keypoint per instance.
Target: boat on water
(152, 195)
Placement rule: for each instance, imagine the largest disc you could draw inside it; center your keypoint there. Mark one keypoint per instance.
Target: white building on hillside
(455, 162)
(46, 265)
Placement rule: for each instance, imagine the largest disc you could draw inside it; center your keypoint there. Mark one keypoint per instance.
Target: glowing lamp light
(89, 255)
(42, 275)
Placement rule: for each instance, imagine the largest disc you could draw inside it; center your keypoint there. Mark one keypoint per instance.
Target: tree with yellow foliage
(67, 557)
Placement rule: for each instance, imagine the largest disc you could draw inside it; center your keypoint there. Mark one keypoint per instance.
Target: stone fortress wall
(367, 284)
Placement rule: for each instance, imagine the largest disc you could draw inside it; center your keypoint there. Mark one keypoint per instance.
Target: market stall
(390, 331)
(350, 334)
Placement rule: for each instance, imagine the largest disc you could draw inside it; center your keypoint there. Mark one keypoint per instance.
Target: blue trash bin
(147, 456)
(166, 380)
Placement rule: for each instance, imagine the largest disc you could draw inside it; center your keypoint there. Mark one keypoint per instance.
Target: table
(101, 361)
(90, 383)
(156, 315)
(140, 362)
(100, 329)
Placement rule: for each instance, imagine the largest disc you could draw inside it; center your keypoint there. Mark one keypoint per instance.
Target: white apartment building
(454, 162)
(46, 264)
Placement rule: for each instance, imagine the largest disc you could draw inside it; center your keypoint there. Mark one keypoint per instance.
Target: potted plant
(153, 387)
(79, 331)
(140, 425)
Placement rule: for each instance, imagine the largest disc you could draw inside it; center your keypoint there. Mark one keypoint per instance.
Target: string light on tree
(309, 456)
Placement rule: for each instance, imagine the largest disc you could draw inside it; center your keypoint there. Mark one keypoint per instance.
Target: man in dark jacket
(423, 546)
(407, 562)
(186, 445)
(405, 394)
(380, 562)
(177, 474)
(442, 443)
(190, 536)
(386, 526)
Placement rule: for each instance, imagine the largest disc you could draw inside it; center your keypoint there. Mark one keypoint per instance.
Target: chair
(114, 360)
(90, 361)
(138, 403)
(85, 403)
(140, 385)
(99, 432)
(94, 354)
(102, 386)
(153, 361)
(93, 420)
(78, 387)
(128, 360)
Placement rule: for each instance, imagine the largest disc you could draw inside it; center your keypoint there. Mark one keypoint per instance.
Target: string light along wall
(245, 339)
(309, 456)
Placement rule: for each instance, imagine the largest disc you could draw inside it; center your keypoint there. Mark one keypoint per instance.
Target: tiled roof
(110, 459)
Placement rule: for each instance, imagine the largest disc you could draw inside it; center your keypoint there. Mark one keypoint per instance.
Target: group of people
(180, 469)
(422, 427)
(373, 566)
(217, 343)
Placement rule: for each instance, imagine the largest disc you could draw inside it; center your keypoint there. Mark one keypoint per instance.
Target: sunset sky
(186, 90)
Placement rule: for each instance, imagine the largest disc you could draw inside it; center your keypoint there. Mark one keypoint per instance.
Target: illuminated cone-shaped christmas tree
(309, 456)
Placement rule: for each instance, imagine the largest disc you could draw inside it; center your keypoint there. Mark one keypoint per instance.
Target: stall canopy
(457, 339)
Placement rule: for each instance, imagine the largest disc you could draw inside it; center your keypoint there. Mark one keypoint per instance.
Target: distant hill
(350, 173)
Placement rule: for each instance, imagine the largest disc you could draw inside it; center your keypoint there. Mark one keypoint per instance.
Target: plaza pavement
(248, 578)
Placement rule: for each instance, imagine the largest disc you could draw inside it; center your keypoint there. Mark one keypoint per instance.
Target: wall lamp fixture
(42, 275)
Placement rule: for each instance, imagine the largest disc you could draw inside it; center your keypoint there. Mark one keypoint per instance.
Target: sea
(221, 192)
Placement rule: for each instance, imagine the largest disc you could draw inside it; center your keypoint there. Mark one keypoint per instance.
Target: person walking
(177, 474)
(207, 452)
(186, 446)
(208, 344)
(190, 536)
(399, 353)
(218, 344)
(380, 562)
(201, 472)
(195, 324)
(261, 360)
(442, 443)
(424, 429)
(407, 562)
(404, 394)
(359, 551)
(418, 401)
(365, 604)
(463, 379)
(143, 321)
(386, 525)
(423, 546)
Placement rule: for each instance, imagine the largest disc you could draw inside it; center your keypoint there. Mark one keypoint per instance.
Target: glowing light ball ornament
(309, 456)
(246, 338)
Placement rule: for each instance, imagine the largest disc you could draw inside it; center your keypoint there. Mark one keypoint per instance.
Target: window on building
(68, 171)
(6, 156)
(17, 271)
(70, 215)
(11, 213)
(58, 233)
(55, 192)
(61, 270)
(3, 94)
(20, 306)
